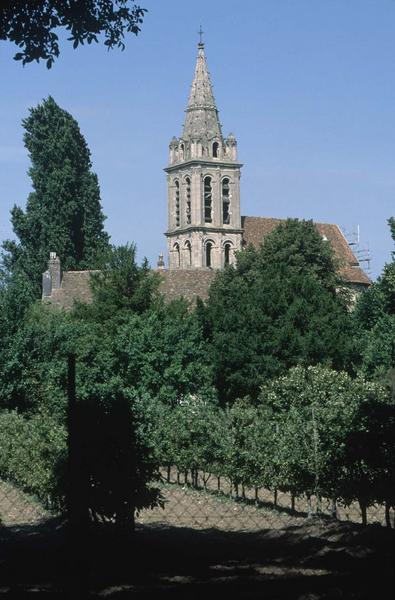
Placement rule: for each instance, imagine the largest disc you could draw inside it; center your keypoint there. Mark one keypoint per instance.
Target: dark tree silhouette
(63, 212)
(31, 24)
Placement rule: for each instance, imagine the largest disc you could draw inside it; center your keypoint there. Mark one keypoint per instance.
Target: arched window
(227, 249)
(208, 197)
(209, 248)
(188, 200)
(177, 202)
(225, 201)
(188, 249)
(177, 255)
(215, 149)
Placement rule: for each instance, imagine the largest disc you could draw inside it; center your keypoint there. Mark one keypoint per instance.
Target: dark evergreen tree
(63, 213)
(281, 306)
(391, 222)
(121, 284)
(374, 316)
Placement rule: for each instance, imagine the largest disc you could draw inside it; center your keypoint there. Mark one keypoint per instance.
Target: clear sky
(307, 87)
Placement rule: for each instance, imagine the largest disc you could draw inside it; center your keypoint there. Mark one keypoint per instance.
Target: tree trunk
(186, 477)
(293, 502)
(243, 492)
(334, 509)
(178, 477)
(218, 484)
(316, 468)
(256, 496)
(309, 507)
(275, 497)
(387, 514)
(168, 473)
(237, 490)
(125, 520)
(319, 504)
(364, 515)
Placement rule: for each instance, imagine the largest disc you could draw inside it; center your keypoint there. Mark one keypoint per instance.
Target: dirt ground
(197, 547)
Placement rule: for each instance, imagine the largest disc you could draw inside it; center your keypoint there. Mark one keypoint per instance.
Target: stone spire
(201, 120)
(203, 182)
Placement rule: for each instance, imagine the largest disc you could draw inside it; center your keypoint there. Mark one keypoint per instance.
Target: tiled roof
(193, 283)
(74, 286)
(186, 283)
(256, 228)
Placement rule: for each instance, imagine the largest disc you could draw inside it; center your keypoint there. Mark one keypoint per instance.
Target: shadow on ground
(314, 561)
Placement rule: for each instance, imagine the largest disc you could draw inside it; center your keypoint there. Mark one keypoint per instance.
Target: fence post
(77, 500)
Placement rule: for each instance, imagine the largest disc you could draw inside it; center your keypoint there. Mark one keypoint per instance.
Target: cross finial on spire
(200, 32)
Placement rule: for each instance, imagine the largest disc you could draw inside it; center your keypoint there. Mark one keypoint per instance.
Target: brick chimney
(52, 277)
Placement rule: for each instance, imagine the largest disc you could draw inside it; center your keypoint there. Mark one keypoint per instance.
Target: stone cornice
(203, 229)
(201, 162)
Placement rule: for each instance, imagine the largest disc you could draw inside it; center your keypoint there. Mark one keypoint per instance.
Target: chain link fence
(205, 528)
(18, 508)
(201, 501)
(208, 533)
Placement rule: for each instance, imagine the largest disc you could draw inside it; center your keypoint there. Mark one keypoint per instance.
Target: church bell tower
(203, 179)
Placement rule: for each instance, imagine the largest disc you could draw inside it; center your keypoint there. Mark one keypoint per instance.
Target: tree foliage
(292, 311)
(32, 25)
(189, 436)
(63, 213)
(374, 316)
(33, 369)
(327, 437)
(146, 375)
(314, 432)
(33, 454)
(134, 355)
(391, 223)
(163, 354)
(121, 285)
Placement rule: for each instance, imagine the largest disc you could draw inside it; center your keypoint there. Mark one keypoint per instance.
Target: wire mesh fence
(207, 532)
(18, 508)
(202, 501)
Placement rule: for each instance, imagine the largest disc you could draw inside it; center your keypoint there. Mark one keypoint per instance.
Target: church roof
(74, 287)
(175, 283)
(256, 228)
(193, 283)
(186, 283)
(201, 119)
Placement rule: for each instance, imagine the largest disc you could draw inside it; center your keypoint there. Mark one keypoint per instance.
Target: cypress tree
(63, 212)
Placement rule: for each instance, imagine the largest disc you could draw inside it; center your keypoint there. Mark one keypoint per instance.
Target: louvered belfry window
(225, 201)
(208, 200)
(177, 203)
(188, 200)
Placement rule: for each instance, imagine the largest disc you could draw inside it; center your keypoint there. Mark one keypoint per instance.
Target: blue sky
(307, 87)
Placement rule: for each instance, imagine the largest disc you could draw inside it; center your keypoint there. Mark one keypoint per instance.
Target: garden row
(313, 433)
